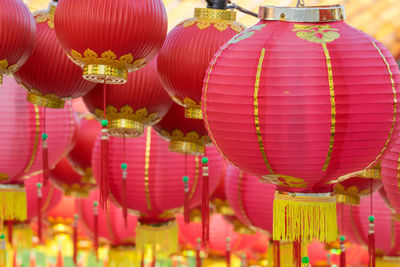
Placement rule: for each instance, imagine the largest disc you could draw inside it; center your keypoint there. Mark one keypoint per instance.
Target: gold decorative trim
(186, 147)
(48, 100)
(43, 16)
(126, 121)
(193, 113)
(347, 199)
(77, 190)
(196, 177)
(218, 24)
(240, 228)
(36, 141)
(6, 69)
(4, 176)
(372, 173)
(189, 143)
(117, 68)
(52, 9)
(192, 109)
(217, 14)
(222, 207)
(146, 168)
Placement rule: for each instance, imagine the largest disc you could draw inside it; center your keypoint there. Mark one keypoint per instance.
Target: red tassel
(198, 248)
(205, 208)
(297, 253)
(96, 230)
(142, 261)
(124, 204)
(228, 252)
(153, 262)
(277, 253)
(371, 242)
(10, 232)
(14, 263)
(186, 209)
(45, 158)
(75, 239)
(39, 206)
(342, 252)
(104, 168)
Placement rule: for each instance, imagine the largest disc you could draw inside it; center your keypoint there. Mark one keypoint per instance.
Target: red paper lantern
(218, 198)
(187, 51)
(350, 190)
(17, 37)
(109, 38)
(184, 135)
(70, 181)
(48, 75)
(80, 156)
(292, 112)
(140, 102)
(154, 187)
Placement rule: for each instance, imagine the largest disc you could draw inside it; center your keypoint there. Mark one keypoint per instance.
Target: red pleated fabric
(48, 70)
(154, 175)
(17, 34)
(136, 27)
(306, 103)
(110, 222)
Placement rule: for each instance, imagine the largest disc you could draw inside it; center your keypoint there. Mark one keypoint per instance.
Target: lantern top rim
(313, 14)
(214, 14)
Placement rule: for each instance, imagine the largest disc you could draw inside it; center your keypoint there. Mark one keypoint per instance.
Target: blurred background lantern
(187, 51)
(350, 190)
(184, 135)
(137, 30)
(140, 102)
(18, 25)
(48, 75)
(70, 181)
(153, 188)
(21, 154)
(218, 198)
(294, 127)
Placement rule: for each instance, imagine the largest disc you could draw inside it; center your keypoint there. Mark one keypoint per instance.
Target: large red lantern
(109, 38)
(291, 114)
(153, 186)
(48, 75)
(187, 51)
(140, 102)
(17, 37)
(184, 135)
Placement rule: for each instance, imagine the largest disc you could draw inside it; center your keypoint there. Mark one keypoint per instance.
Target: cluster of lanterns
(282, 120)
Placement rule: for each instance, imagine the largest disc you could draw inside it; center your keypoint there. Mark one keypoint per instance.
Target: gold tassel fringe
(286, 253)
(123, 256)
(12, 203)
(22, 236)
(163, 238)
(304, 217)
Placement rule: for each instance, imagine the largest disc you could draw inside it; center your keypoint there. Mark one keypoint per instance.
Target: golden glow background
(379, 18)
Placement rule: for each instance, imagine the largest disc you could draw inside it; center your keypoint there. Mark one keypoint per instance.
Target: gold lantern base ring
(186, 147)
(105, 74)
(48, 101)
(347, 199)
(125, 127)
(193, 113)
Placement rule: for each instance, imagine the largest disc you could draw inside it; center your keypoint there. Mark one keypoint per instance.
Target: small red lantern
(185, 136)
(70, 181)
(109, 38)
(187, 51)
(350, 190)
(291, 114)
(48, 75)
(17, 37)
(141, 102)
(146, 177)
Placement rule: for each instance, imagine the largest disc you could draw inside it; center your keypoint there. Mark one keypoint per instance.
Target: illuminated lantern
(48, 75)
(110, 228)
(70, 181)
(284, 99)
(187, 51)
(350, 190)
(21, 153)
(17, 37)
(184, 135)
(80, 156)
(109, 38)
(153, 186)
(141, 102)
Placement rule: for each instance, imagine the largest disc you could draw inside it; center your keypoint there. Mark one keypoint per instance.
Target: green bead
(104, 123)
(76, 216)
(44, 136)
(124, 166)
(2, 236)
(305, 259)
(371, 218)
(228, 239)
(39, 185)
(342, 238)
(204, 160)
(198, 240)
(185, 179)
(95, 203)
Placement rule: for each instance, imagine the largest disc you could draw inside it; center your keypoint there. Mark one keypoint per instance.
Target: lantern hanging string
(45, 152)
(104, 154)
(300, 3)
(124, 168)
(241, 9)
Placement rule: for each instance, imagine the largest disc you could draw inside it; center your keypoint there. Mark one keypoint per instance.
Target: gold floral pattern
(6, 69)
(190, 143)
(246, 34)
(44, 16)
(3, 176)
(320, 34)
(220, 25)
(350, 195)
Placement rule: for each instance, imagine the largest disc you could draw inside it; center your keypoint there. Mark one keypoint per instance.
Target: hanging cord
(342, 239)
(39, 202)
(104, 155)
(300, 3)
(241, 9)
(124, 167)
(75, 239)
(186, 209)
(371, 233)
(45, 151)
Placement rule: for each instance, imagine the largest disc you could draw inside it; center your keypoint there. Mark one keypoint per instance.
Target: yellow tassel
(304, 217)
(163, 238)
(286, 253)
(123, 256)
(12, 203)
(22, 236)
(3, 252)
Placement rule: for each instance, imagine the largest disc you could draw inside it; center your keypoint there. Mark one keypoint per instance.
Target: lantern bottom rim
(186, 147)
(193, 113)
(48, 101)
(347, 199)
(105, 74)
(125, 127)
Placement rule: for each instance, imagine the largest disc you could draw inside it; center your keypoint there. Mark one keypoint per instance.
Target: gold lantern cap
(302, 14)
